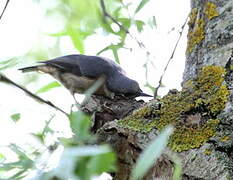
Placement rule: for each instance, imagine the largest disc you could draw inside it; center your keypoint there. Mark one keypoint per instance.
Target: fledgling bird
(79, 72)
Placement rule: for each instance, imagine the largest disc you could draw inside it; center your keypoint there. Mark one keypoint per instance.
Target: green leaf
(115, 53)
(139, 25)
(88, 150)
(114, 48)
(96, 164)
(177, 175)
(42, 135)
(76, 38)
(22, 165)
(152, 22)
(59, 34)
(80, 125)
(78, 160)
(2, 158)
(19, 175)
(16, 149)
(39, 136)
(15, 117)
(48, 87)
(126, 22)
(117, 12)
(141, 5)
(151, 154)
(102, 163)
(104, 23)
(8, 63)
(152, 88)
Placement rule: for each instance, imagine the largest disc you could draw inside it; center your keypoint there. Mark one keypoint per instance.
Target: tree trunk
(201, 113)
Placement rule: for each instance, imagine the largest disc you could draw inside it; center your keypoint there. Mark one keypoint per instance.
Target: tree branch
(3, 78)
(4, 9)
(171, 57)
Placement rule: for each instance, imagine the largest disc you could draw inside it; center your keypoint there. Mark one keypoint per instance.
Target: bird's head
(135, 89)
(121, 84)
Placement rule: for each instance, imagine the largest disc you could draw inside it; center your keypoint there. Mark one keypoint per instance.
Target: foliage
(79, 157)
(151, 154)
(48, 87)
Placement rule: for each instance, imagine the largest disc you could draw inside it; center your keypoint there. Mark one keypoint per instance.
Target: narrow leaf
(48, 87)
(152, 22)
(8, 63)
(88, 150)
(141, 5)
(115, 53)
(139, 25)
(114, 48)
(151, 154)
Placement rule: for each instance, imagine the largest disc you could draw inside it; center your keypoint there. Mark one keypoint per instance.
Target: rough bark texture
(126, 143)
(210, 38)
(202, 112)
(210, 42)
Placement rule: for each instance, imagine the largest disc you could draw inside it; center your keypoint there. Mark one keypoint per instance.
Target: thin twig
(106, 14)
(4, 9)
(3, 78)
(171, 57)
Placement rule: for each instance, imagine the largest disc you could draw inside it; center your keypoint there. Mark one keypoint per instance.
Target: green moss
(192, 111)
(210, 10)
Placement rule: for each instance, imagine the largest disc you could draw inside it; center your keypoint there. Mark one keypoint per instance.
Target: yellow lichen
(197, 25)
(192, 111)
(231, 67)
(210, 10)
(138, 120)
(196, 35)
(207, 151)
(225, 138)
(192, 17)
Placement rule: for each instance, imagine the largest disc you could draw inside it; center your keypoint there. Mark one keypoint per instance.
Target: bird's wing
(65, 64)
(82, 65)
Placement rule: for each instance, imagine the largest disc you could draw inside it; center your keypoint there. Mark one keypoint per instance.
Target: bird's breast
(80, 84)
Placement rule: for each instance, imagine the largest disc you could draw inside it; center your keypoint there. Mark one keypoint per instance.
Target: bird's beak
(144, 94)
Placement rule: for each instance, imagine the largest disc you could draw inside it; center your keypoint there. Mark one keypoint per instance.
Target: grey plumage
(78, 72)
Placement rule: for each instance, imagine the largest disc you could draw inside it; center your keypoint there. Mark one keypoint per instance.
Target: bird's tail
(29, 69)
(40, 68)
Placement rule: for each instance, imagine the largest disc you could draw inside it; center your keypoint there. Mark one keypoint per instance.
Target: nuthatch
(79, 72)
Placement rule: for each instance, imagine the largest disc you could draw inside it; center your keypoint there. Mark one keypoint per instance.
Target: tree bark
(202, 112)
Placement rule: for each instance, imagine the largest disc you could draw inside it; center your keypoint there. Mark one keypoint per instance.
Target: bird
(79, 72)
